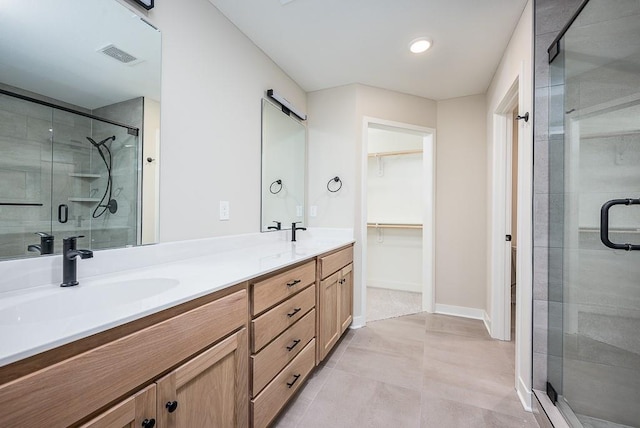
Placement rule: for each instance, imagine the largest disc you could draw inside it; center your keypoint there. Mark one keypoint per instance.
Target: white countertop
(36, 319)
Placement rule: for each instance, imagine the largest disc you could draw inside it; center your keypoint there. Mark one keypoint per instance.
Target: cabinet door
(346, 297)
(210, 390)
(328, 307)
(137, 411)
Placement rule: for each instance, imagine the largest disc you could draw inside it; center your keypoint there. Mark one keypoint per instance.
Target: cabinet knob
(295, 379)
(295, 343)
(294, 282)
(295, 311)
(148, 423)
(171, 406)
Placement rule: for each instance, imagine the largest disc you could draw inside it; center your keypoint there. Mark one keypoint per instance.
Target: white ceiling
(326, 43)
(51, 48)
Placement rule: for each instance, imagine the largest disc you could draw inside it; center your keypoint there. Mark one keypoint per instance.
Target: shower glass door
(95, 182)
(594, 290)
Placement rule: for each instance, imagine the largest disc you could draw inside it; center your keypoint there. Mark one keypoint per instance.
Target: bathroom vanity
(230, 356)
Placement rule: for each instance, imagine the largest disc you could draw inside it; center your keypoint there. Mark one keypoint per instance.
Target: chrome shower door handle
(604, 224)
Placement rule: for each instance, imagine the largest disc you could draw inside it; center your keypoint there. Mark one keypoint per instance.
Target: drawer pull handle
(295, 311)
(294, 282)
(295, 379)
(171, 406)
(148, 423)
(295, 343)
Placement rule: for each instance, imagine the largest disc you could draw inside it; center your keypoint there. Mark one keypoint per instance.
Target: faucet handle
(73, 238)
(43, 235)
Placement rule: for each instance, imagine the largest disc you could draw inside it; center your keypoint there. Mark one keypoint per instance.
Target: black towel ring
(337, 180)
(276, 183)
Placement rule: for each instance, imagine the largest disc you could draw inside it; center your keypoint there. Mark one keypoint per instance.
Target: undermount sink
(73, 301)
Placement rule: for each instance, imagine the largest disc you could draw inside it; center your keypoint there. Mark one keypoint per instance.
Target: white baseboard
(395, 285)
(487, 322)
(524, 394)
(460, 311)
(358, 322)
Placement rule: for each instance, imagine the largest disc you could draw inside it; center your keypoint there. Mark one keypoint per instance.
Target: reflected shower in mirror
(79, 108)
(284, 142)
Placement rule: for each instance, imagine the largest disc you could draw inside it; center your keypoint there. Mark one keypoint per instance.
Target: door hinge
(507, 237)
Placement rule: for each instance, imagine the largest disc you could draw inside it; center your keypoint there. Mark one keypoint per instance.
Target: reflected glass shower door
(594, 295)
(25, 176)
(95, 182)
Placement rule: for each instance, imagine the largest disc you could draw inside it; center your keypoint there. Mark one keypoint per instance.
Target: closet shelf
(395, 225)
(84, 175)
(78, 199)
(395, 153)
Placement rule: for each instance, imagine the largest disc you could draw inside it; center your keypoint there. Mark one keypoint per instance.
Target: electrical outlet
(224, 210)
(313, 210)
(299, 211)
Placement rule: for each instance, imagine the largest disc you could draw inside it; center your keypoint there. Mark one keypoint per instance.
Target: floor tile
(456, 325)
(348, 400)
(438, 413)
(416, 370)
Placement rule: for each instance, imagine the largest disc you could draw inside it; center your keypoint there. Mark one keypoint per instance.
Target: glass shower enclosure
(593, 365)
(67, 174)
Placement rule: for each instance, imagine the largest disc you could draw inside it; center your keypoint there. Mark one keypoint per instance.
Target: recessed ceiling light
(420, 45)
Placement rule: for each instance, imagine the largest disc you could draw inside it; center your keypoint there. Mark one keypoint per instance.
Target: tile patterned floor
(383, 303)
(419, 370)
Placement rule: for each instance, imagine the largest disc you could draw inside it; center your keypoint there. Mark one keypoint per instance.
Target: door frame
(429, 197)
(498, 323)
(501, 216)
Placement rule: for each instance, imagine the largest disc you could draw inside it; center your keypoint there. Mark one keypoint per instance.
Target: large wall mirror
(284, 144)
(79, 126)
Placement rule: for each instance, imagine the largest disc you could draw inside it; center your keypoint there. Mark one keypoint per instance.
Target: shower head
(101, 143)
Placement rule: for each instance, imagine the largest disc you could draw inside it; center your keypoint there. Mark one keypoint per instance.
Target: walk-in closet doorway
(398, 214)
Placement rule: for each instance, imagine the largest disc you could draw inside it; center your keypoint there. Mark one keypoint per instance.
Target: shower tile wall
(119, 229)
(26, 132)
(550, 18)
(35, 139)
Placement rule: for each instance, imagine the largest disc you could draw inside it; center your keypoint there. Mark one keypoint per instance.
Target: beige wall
(335, 147)
(461, 202)
(213, 78)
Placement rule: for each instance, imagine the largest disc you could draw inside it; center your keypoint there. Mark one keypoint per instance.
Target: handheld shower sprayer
(112, 204)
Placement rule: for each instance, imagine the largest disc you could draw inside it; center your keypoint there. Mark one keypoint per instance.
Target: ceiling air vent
(120, 55)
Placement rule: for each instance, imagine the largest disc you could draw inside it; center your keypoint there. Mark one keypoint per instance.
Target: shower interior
(593, 367)
(66, 174)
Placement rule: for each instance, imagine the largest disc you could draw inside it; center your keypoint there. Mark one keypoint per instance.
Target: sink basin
(73, 301)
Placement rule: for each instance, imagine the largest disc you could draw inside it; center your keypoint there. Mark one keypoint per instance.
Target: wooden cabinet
(209, 390)
(335, 298)
(282, 338)
(73, 389)
(134, 412)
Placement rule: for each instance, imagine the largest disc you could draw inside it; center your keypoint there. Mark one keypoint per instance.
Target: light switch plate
(224, 210)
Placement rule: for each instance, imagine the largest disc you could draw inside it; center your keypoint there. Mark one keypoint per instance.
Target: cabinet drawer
(277, 288)
(268, 362)
(331, 263)
(267, 326)
(269, 402)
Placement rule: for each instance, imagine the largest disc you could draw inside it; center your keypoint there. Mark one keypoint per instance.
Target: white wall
(394, 195)
(461, 175)
(516, 66)
(213, 79)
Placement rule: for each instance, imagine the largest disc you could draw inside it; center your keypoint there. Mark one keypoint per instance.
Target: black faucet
(278, 226)
(46, 244)
(293, 230)
(69, 254)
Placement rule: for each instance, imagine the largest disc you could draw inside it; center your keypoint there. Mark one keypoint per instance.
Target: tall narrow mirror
(79, 126)
(284, 148)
